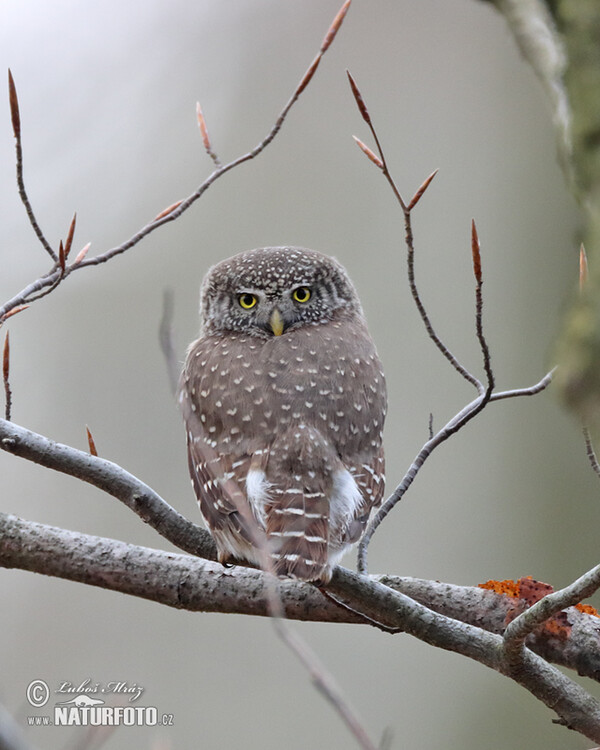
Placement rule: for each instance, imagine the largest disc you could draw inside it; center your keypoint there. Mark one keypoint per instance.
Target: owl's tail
(298, 512)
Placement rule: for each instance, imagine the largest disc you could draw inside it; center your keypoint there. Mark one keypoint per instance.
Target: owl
(284, 400)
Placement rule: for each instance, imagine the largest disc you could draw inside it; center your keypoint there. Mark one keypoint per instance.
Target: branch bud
(475, 250)
(91, 443)
(82, 253)
(71, 232)
(370, 154)
(360, 102)
(335, 26)
(167, 211)
(419, 194)
(14, 106)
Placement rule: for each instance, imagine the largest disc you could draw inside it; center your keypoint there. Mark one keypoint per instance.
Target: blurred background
(108, 92)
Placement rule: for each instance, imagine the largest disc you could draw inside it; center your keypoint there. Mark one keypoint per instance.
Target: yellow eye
(301, 294)
(247, 300)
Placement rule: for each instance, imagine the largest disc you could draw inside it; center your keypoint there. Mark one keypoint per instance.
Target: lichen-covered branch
(199, 585)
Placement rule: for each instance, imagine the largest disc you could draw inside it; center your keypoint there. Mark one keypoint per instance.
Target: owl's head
(269, 291)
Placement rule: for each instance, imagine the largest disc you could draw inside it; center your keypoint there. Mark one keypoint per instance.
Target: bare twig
(483, 345)
(589, 445)
(485, 391)
(5, 378)
(16, 123)
(590, 452)
(450, 428)
(409, 238)
(112, 479)
(165, 335)
(46, 284)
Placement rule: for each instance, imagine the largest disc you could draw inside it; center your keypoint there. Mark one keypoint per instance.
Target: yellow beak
(276, 322)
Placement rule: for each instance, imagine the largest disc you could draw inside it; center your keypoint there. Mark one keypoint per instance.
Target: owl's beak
(276, 322)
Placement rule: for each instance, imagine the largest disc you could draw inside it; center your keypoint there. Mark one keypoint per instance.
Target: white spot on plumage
(257, 492)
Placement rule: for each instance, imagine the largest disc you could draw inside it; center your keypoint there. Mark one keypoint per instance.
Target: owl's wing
(222, 503)
(370, 480)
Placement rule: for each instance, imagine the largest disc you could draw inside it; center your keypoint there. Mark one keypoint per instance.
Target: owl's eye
(301, 294)
(247, 300)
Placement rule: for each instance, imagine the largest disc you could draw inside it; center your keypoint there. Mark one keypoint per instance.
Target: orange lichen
(530, 591)
(508, 587)
(587, 609)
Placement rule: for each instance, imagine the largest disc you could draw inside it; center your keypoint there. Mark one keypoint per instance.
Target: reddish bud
(6, 358)
(306, 78)
(366, 150)
(14, 106)
(360, 102)
(419, 194)
(12, 312)
(91, 443)
(82, 253)
(61, 257)
(71, 232)
(335, 26)
(203, 128)
(5, 372)
(476, 253)
(167, 210)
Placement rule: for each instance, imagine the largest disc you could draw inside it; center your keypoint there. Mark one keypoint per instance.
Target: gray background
(108, 92)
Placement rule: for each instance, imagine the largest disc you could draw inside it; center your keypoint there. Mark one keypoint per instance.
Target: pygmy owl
(284, 401)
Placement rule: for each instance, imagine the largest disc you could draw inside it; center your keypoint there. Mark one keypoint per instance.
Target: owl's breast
(248, 390)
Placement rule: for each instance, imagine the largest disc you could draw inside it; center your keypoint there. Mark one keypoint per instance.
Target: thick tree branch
(112, 479)
(189, 583)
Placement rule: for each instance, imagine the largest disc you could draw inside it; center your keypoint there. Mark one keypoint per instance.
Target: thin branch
(458, 421)
(112, 479)
(531, 391)
(483, 345)
(16, 123)
(485, 391)
(381, 162)
(590, 452)
(165, 336)
(50, 281)
(5, 378)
